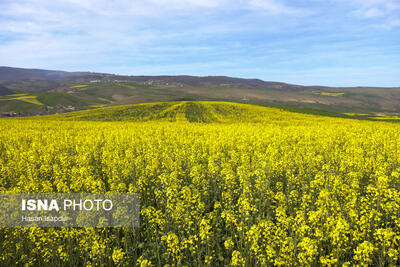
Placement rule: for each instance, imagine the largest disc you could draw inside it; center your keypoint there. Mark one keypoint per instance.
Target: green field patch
(61, 99)
(18, 106)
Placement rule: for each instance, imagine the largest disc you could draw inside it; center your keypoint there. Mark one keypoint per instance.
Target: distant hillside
(5, 91)
(8, 74)
(25, 92)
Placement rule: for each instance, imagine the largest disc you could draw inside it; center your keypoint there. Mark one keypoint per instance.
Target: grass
(18, 106)
(61, 99)
(51, 98)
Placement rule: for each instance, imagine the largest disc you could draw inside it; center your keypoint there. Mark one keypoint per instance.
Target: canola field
(253, 186)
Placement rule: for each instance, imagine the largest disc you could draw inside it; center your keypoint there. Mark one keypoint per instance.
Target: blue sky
(309, 42)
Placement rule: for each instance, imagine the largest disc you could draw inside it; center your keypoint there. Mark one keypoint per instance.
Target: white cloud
(275, 7)
(374, 8)
(383, 14)
(373, 12)
(106, 18)
(149, 8)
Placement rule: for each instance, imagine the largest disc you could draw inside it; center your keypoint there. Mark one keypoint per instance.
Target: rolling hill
(182, 111)
(49, 92)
